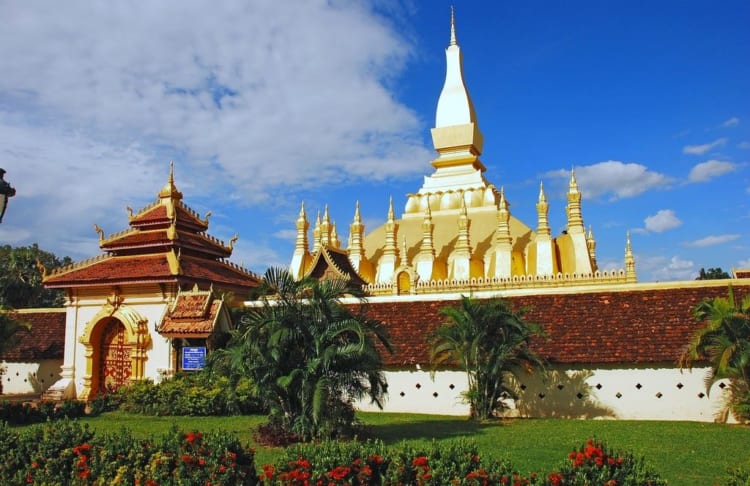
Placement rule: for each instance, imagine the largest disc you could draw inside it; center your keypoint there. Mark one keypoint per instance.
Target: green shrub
(739, 476)
(23, 413)
(195, 394)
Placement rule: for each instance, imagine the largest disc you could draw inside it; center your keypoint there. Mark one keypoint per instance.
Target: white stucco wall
(613, 392)
(29, 378)
(415, 392)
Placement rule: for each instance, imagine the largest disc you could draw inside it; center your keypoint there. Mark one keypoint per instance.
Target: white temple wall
(645, 393)
(29, 378)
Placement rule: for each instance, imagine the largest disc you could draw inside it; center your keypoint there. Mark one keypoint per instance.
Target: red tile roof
(193, 314)
(110, 270)
(637, 326)
(156, 214)
(45, 340)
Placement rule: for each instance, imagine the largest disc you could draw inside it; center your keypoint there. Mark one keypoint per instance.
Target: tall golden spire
(301, 256)
(591, 245)
(629, 260)
(427, 248)
(575, 218)
(356, 231)
(502, 235)
(325, 228)
(317, 237)
(542, 210)
(334, 240)
(391, 234)
(302, 227)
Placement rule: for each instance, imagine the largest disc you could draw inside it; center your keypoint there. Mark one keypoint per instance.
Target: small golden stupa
(457, 233)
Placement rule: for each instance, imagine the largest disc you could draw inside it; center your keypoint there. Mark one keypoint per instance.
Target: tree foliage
(724, 342)
(21, 280)
(712, 274)
(490, 342)
(309, 355)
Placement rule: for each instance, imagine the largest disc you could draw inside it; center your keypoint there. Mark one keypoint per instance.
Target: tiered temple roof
(166, 242)
(457, 232)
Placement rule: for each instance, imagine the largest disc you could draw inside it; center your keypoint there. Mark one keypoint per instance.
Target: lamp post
(6, 192)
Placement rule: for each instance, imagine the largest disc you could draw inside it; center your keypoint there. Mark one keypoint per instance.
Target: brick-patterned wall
(635, 326)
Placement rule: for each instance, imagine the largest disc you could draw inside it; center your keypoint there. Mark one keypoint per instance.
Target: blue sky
(264, 104)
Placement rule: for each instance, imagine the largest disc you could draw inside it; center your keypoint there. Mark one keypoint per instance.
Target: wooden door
(115, 365)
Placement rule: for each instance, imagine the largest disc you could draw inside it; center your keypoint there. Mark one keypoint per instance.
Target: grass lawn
(684, 453)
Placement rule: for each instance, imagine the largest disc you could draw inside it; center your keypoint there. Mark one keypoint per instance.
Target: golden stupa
(457, 233)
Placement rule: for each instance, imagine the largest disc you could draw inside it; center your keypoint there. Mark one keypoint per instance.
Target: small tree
(490, 342)
(712, 274)
(724, 343)
(309, 355)
(21, 281)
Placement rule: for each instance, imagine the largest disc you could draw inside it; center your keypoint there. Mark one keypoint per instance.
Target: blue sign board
(193, 357)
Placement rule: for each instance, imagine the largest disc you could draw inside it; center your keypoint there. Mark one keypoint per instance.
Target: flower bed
(67, 453)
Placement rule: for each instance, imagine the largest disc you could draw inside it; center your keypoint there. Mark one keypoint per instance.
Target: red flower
(420, 461)
(339, 473)
(35, 465)
(555, 479)
(376, 459)
(191, 437)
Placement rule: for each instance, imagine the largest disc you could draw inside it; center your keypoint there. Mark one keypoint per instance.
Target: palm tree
(309, 355)
(490, 342)
(724, 342)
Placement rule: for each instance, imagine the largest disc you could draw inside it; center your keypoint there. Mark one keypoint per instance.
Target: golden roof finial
(169, 190)
(542, 197)
(453, 28)
(233, 240)
(391, 215)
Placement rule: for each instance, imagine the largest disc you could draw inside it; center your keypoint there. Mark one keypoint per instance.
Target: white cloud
(743, 263)
(731, 122)
(663, 220)
(659, 268)
(702, 149)
(744, 145)
(705, 171)
(620, 179)
(254, 100)
(712, 240)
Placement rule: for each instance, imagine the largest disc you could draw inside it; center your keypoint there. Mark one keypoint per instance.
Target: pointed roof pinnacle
(169, 191)
(542, 197)
(573, 182)
(357, 217)
(453, 28)
(391, 215)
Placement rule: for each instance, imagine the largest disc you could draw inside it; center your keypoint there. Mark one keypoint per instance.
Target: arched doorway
(115, 342)
(115, 366)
